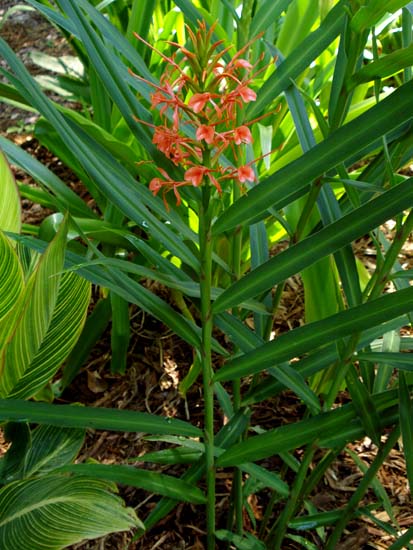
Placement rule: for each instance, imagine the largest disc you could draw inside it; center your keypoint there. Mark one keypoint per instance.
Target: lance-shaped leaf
(66, 197)
(10, 213)
(154, 482)
(385, 66)
(90, 417)
(56, 511)
(370, 14)
(330, 429)
(293, 181)
(299, 59)
(308, 337)
(313, 248)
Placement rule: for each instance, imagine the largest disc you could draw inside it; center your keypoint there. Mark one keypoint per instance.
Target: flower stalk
(198, 117)
(205, 247)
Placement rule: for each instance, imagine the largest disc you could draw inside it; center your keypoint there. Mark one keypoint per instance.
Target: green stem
(236, 385)
(380, 277)
(205, 246)
(307, 210)
(361, 489)
(279, 529)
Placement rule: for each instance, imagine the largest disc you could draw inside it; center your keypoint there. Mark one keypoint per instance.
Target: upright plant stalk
(198, 104)
(236, 385)
(205, 249)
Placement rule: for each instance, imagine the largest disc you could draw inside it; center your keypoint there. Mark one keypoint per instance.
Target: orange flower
(242, 134)
(155, 185)
(205, 132)
(245, 173)
(198, 101)
(247, 94)
(195, 175)
(243, 63)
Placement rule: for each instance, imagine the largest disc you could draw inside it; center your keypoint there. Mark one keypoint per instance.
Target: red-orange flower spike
(217, 91)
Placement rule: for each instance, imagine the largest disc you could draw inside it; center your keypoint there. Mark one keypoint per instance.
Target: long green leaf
(66, 197)
(299, 60)
(309, 250)
(293, 180)
(88, 417)
(308, 337)
(364, 404)
(134, 292)
(154, 482)
(330, 429)
(406, 425)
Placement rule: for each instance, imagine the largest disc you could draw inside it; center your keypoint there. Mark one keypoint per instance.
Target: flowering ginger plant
(200, 98)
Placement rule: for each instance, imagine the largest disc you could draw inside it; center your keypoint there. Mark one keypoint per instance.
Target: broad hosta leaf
(63, 332)
(53, 311)
(11, 279)
(38, 305)
(89, 417)
(55, 511)
(10, 213)
(37, 452)
(154, 482)
(51, 448)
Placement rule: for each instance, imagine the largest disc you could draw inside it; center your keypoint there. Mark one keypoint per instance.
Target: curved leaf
(10, 212)
(51, 448)
(62, 334)
(299, 59)
(154, 482)
(66, 197)
(54, 307)
(55, 511)
(11, 279)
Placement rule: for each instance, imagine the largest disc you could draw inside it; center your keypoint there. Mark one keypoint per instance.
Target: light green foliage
(43, 321)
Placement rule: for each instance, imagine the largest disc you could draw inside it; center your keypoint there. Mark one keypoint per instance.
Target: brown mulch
(158, 361)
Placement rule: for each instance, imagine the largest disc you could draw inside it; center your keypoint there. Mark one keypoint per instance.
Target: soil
(158, 360)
